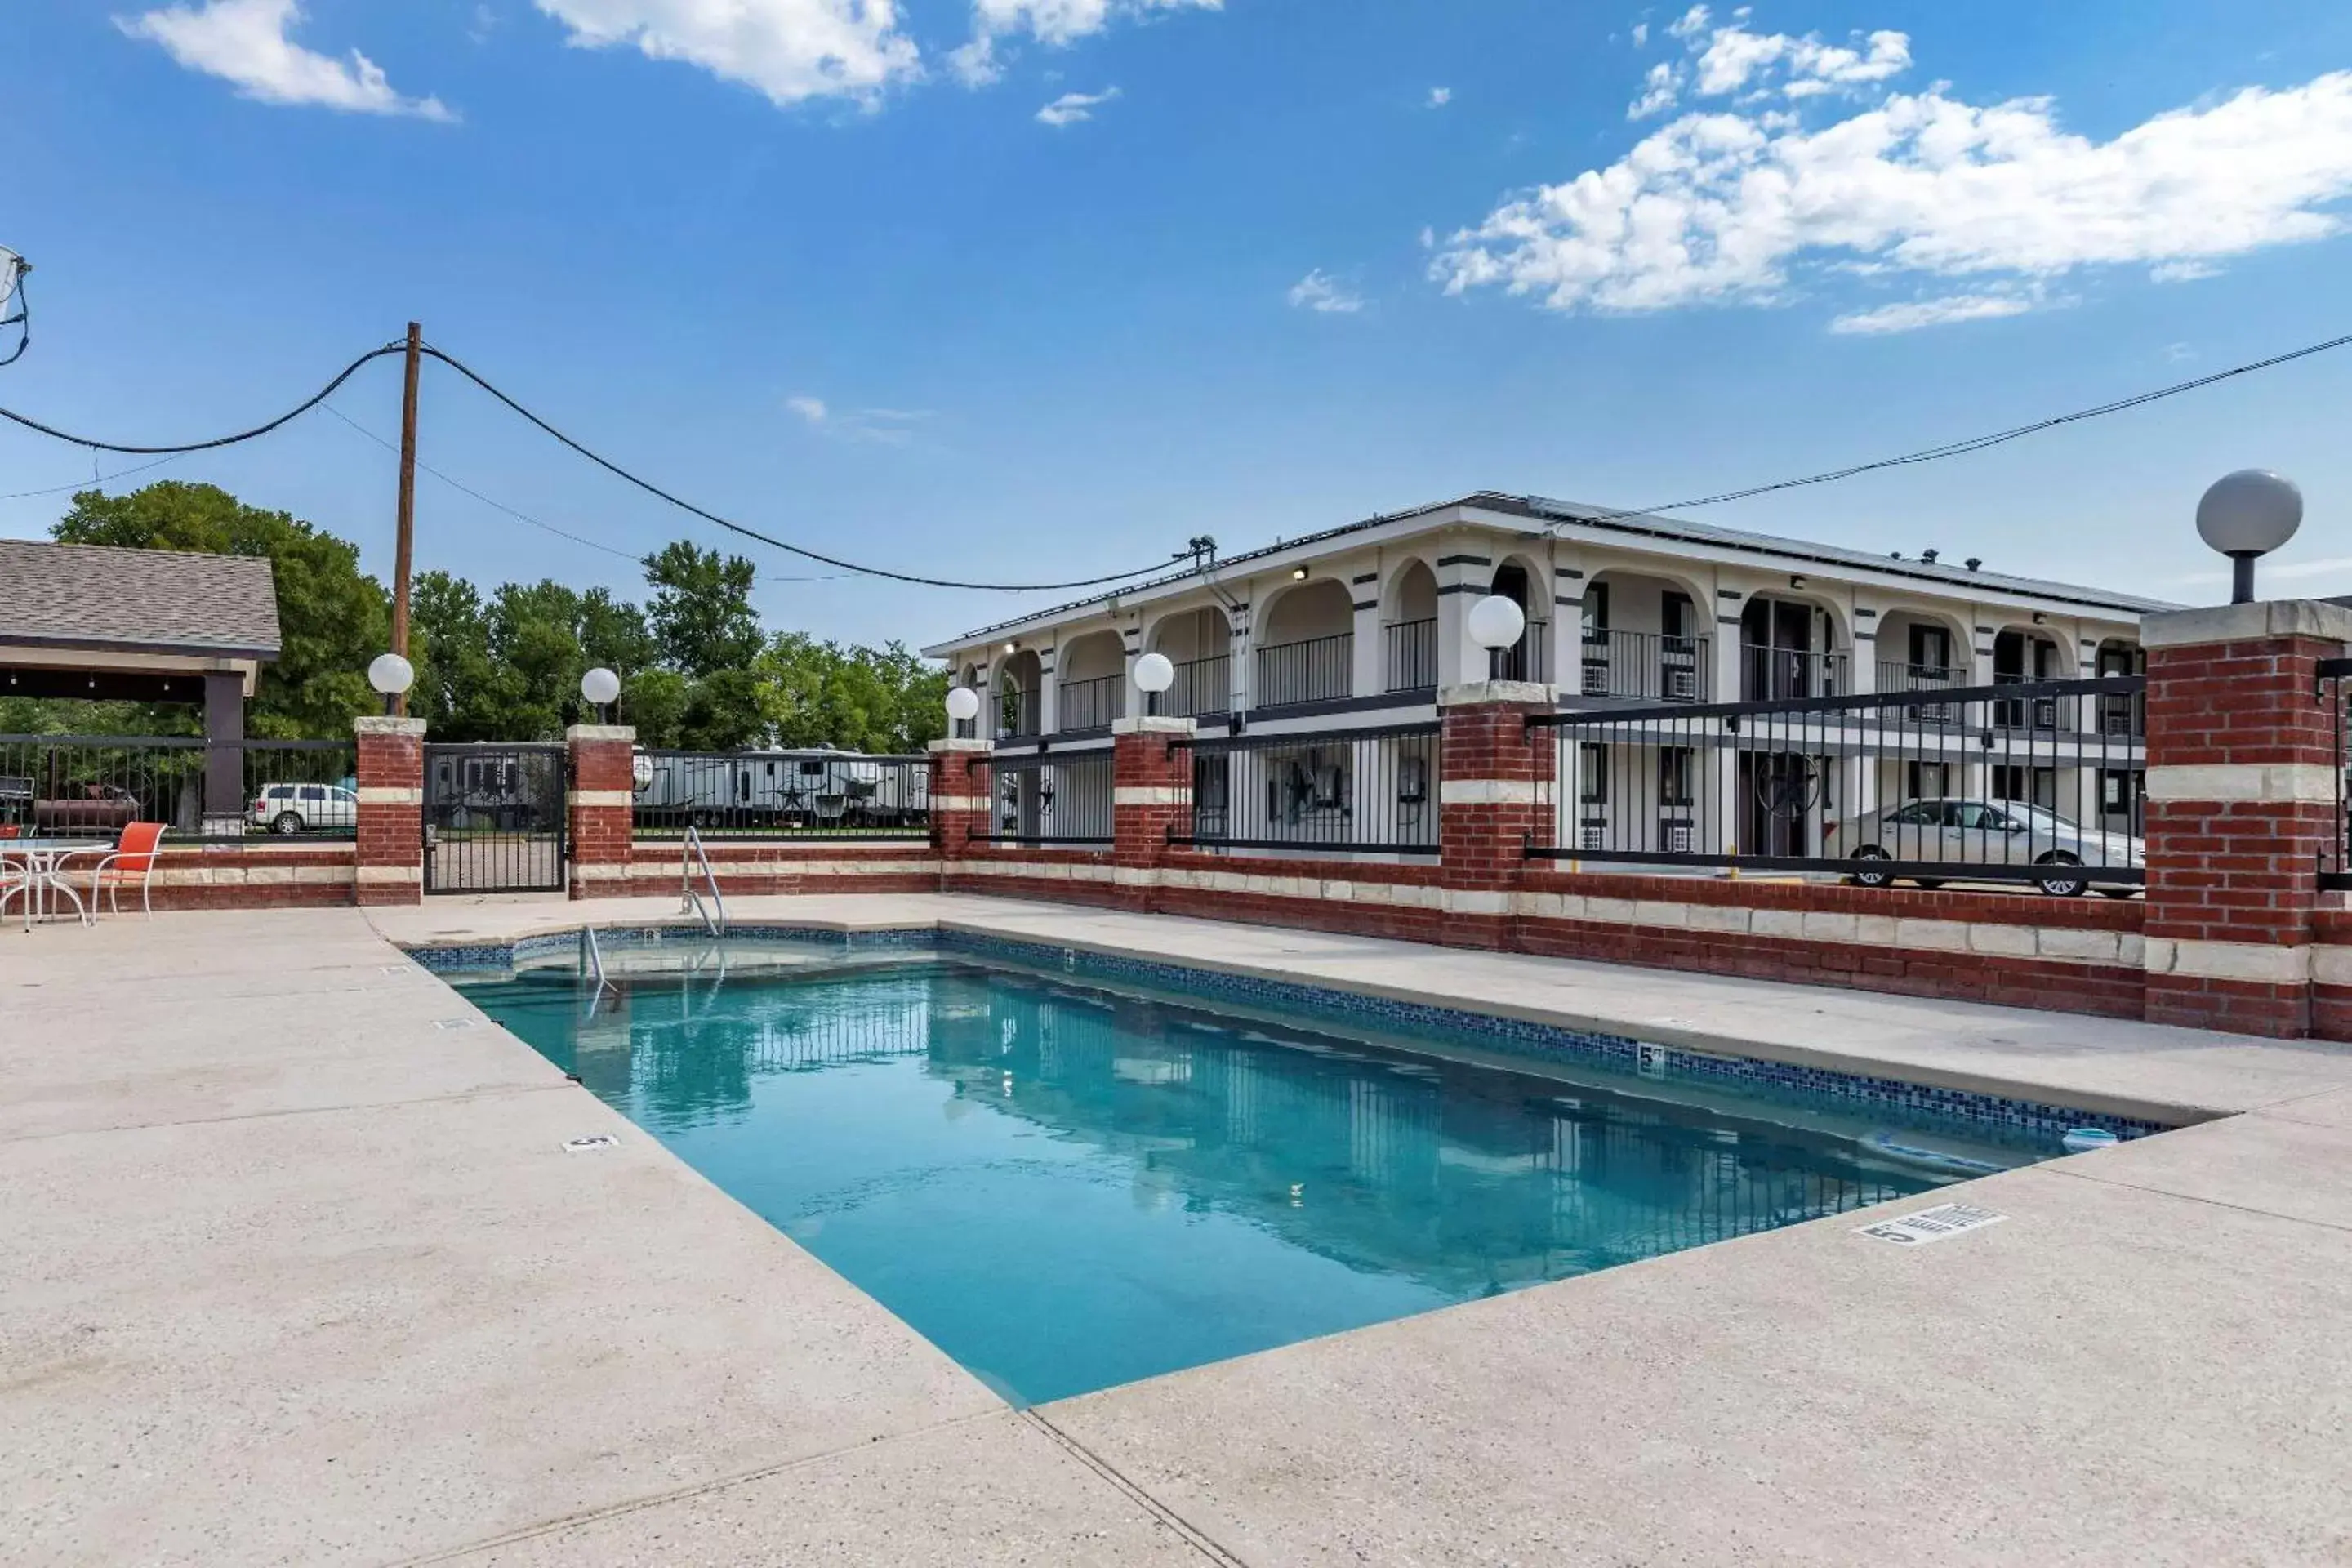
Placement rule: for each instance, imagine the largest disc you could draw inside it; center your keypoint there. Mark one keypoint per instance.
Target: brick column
(2241, 782)
(1489, 803)
(1150, 797)
(600, 800)
(959, 799)
(391, 772)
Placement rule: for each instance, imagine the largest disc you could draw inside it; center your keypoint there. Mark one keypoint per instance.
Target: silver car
(1959, 834)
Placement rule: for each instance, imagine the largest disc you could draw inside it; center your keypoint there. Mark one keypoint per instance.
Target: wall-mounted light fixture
(1299, 573)
(1796, 582)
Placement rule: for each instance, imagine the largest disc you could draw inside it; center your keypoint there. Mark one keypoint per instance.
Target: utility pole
(405, 537)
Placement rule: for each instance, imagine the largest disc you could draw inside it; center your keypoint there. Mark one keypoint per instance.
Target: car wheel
(1867, 875)
(2066, 883)
(287, 822)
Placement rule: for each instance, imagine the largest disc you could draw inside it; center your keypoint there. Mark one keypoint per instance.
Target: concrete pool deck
(298, 1271)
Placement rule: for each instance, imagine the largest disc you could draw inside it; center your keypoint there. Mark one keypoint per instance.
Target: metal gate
(2335, 693)
(494, 818)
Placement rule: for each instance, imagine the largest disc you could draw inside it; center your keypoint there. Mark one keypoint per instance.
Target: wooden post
(405, 534)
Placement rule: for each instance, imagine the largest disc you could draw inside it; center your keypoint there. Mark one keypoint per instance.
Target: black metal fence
(1346, 791)
(2017, 782)
(2336, 691)
(1319, 669)
(1051, 798)
(780, 795)
(1645, 667)
(495, 818)
(95, 786)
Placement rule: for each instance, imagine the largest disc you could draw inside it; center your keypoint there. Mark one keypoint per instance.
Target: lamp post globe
(1153, 675)
(2245, 516)
(1497, 623)
(964, 704)
(391, 675)
(601, 688)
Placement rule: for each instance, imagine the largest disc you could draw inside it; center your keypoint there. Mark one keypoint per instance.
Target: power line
(94, 481)
(519, 516)
(288, 417)
(1974, 442)
(660, 494)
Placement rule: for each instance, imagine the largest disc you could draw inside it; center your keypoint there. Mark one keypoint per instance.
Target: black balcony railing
(94, 785)
(1411, 655)
(1091, 704)
(1319, 669)
(1201, 686)
(1529, 658)
(1016, 714)
(1789, 675)
(1647, 666)
(1920, 676)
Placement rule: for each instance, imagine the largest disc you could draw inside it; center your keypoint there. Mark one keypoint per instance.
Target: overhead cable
(686, 506)
(288, 417)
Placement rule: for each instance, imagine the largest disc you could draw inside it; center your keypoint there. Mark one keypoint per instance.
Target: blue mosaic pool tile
(1509, 1036)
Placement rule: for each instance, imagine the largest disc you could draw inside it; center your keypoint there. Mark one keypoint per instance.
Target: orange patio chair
(134, 856)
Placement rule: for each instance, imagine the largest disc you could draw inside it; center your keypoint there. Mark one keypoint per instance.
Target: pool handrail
(691, 900)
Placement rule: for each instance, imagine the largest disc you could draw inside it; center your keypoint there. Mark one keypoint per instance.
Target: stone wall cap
(2267, 620)
(1470, 694)
(579, 733)
(960, 743)
(1154, 724)
(386, 724)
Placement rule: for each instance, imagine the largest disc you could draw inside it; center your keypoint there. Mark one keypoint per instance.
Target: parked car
(86, 808)
(304, 808)
(1963, 833)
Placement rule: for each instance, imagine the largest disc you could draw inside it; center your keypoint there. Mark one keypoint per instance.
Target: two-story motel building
(1353, 631)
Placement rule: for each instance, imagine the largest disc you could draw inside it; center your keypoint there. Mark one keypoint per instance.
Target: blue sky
(849, 273)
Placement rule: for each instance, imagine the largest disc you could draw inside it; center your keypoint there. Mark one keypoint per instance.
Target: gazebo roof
(98, 598)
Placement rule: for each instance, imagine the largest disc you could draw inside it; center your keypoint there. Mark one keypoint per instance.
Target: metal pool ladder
(593, 957)
(689, 899)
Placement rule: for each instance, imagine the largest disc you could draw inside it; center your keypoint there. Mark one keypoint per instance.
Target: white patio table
(43, 861)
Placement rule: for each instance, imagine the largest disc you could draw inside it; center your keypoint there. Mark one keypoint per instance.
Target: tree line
(697, 667)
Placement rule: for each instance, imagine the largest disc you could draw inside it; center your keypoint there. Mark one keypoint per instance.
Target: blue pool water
(1066, 1187)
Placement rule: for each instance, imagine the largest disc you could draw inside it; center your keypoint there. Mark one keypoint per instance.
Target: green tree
(701, 611)
(333, 617)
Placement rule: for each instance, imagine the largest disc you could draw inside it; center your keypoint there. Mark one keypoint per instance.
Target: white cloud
(1054, 22)
(2182, 271)
(791, 50)
(1661, 87)
(891, 427)
(1439, 97)
(1640, 35)
(1750, 201)
(244, 42)
(1073, 108)
(1316, 291)
(1911, 315)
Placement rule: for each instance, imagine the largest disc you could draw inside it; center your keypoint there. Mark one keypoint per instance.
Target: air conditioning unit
(1593, 835)
(1675, 838)
(1596, 680)
(1682, 685)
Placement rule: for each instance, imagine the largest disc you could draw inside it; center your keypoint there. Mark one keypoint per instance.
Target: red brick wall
(2236, 871)
(390, 834)
(603, 838)
(746, 871)
(244, 880)
(1151, 761)
(1484, 843)
(958, 776)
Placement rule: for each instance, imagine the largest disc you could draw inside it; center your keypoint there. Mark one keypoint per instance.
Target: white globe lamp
(2245, 516)
(964, 704)
(1497, 623)
(392, 675)
(602, 689)
(1153, 675)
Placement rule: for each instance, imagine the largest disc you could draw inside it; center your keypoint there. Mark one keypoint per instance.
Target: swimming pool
(1069, 1184)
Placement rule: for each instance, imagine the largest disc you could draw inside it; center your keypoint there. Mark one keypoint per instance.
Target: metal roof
(1541, 512)
(95, 596)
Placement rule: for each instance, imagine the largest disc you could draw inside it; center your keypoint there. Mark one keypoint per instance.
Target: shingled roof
(152, 601)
